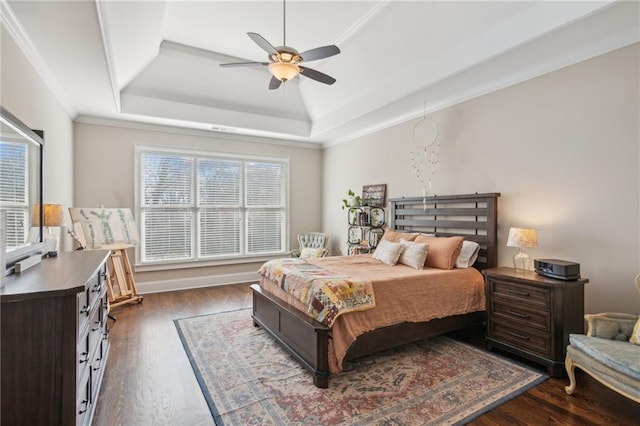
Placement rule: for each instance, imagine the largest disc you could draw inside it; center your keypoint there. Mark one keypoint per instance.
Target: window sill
(170, 265)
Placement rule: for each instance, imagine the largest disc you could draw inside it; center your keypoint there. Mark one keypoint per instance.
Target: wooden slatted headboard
(473, 216)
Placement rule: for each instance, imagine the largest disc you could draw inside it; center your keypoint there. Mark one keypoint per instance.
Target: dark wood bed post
(473, 216)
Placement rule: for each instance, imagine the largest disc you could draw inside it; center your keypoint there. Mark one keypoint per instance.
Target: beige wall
(25, 94)
(105, 176)
(563, 149)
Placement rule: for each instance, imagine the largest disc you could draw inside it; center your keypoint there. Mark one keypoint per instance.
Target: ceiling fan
(284, 61)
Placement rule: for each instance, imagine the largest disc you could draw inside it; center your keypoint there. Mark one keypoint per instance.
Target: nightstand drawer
(526, 338)
(535, 296)
(509, 312)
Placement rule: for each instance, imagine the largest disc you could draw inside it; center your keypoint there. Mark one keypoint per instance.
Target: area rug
(248, 379)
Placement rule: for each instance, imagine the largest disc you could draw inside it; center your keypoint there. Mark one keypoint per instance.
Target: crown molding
(108, 55)
(135, 124)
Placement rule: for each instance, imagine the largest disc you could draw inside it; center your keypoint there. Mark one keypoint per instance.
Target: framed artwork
(374, 195)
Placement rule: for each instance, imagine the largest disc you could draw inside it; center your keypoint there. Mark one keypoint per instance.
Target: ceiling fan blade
(319, 53)
(244, 64)
(263, 43)
(317, 75)
(274, 83)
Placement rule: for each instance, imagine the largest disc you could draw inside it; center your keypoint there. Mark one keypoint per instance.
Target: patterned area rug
(248, 379)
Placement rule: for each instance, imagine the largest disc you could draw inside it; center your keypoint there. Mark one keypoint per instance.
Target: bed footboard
(302, 336)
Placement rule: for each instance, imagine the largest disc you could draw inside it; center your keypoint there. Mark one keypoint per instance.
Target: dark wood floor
(149, 381)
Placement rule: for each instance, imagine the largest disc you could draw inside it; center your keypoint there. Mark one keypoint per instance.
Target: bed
(322, 349)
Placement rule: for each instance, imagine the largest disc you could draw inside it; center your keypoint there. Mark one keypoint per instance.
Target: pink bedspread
(403, 294)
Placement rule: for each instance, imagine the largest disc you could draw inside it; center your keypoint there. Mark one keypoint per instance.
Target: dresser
(532, 316)
(54, 340)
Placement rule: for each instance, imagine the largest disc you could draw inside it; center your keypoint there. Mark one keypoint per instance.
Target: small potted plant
(352, 200)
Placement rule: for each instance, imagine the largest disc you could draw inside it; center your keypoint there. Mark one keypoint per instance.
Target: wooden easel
(115, 230)
(121, 285)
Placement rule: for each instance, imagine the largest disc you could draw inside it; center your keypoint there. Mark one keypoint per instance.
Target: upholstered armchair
(312, 244)
(606, 352)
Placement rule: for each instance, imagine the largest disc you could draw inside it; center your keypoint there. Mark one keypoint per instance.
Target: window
(207, 206)
(14, 192)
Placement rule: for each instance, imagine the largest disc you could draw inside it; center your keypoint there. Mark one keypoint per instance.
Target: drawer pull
(84, 309)
(518, 314)
(519, 293)
(86, 359)
(96, 288)
(96, 368)
(519, 336)
(84, 401)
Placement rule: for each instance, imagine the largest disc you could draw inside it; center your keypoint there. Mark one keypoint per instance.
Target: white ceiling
(158, 61)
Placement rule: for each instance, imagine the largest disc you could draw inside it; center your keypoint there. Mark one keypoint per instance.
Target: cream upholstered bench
(609, 352)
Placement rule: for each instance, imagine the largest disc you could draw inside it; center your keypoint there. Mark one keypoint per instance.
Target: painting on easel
(115, 230)
(101, 228)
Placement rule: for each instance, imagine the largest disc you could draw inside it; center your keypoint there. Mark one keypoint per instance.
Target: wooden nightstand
(532, 316)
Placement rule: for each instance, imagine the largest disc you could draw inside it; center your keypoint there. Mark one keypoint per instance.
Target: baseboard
(188, 283)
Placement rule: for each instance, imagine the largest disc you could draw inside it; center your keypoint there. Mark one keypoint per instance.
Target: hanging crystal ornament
(425, 153)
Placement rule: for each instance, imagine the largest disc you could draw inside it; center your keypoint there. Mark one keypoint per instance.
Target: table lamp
(53, 216)
(522, 238)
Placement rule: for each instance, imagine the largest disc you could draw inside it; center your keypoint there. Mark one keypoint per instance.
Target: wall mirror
(20, 188)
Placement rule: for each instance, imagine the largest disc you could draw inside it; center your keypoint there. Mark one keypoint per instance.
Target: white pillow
(414, 254)
(388, 252)
(468, 254)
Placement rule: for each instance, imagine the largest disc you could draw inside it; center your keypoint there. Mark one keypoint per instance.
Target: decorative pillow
(388, 252)
(395, 237)
(413, 254)
(443, 251)
(635, 334)
(309, 252)
(468, 254)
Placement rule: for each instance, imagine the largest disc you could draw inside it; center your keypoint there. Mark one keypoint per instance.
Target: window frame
(195, 260)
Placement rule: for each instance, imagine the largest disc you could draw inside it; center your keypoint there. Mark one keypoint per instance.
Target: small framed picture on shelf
(375, 235)
(355, 235)
(354, 215)
(377, 217)
(374, 195)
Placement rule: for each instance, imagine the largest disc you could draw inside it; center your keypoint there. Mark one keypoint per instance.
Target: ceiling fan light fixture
(284, 71)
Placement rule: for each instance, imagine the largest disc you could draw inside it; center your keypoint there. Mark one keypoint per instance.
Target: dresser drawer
(95, 286)
(521, 337)
(93, 294)
(524, 315)
(83, 310)
(534, 296)
(83, 401)
(97, 366)
(90, 340)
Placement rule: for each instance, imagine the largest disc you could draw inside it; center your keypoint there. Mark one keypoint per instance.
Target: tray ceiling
(158, 61)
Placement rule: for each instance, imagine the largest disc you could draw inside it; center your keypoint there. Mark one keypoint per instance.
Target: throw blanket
(327, 294)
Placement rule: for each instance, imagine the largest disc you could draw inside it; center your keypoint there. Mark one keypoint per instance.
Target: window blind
(200, 206)
(14, 194)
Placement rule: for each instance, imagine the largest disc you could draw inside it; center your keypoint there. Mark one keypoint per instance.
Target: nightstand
(532, 316)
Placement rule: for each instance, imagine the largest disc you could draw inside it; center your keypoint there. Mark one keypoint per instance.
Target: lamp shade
(53, 215)
(522, 237)
(284, 71)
